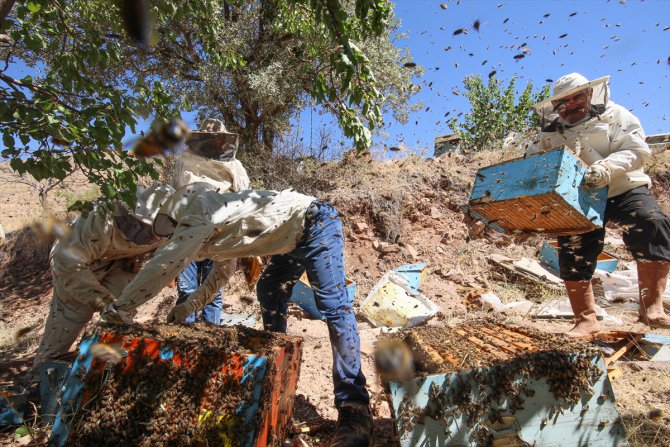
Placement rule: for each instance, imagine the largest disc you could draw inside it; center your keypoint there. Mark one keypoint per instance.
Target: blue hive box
(486, 383)
(303, 296)
(549, 257)
(542, 193)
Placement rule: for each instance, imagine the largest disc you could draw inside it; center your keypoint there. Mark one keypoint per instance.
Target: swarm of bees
(152, 399)
(482, 386)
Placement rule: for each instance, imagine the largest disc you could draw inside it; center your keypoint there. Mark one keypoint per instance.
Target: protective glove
(110, 314)
(597, 176)
(179, 312)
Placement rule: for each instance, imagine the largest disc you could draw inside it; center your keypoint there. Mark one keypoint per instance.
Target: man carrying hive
(611, 141)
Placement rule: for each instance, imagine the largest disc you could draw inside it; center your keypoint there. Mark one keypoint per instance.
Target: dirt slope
(394, 212)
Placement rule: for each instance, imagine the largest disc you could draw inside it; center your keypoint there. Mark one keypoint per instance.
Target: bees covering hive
(486, 383)
(195, 384)
(542, 193)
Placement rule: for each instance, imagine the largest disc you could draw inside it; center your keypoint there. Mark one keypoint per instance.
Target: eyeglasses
(562, 104)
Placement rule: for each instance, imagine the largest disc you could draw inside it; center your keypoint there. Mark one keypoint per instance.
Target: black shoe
(354, 426)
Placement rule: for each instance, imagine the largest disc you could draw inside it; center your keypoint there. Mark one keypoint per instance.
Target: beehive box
(542, 193)
(490, 384)
(549, 257)
(179, 385)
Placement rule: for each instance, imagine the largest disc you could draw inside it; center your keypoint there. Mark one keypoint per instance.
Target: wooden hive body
(510, 399)
(541, 193)
(179, 391)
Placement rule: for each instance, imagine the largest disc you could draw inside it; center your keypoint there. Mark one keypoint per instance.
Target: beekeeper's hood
(210, 158)
(569, 85)
(149, 201)
(213, 141)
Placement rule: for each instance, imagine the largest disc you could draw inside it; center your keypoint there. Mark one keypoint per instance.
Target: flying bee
(106, 353)
(394, 360)
(51, 228)
(22, 332)
(164, 136)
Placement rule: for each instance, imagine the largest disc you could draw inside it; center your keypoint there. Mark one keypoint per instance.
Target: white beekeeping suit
(609, 135)
(204, 224)
(94, 264)
(210, 158)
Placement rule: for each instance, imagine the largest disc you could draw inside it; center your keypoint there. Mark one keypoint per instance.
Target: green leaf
(33, 7)
(34, 42)
(22, 431)
(8, 140)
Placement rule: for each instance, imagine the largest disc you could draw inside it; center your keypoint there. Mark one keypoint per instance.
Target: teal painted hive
(543, 193)
(489, 384)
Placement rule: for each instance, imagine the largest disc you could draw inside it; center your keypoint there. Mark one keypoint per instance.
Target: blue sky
(627, 40)
(623, 39)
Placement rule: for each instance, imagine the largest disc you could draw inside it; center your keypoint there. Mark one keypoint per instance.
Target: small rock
(453, 206)
(412, 251)
(375, 244)
(476, 229)
(359, 226)
(385, 247)
(435, 213)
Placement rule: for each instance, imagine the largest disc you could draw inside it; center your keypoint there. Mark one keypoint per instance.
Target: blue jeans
(188, 281)
(321, 254)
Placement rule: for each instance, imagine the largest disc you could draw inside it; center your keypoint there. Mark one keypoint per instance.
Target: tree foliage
(60, 109)
(495, 111)
(72, 82)
(290, 54)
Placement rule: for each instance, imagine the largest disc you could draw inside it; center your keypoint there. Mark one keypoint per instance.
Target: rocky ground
(394, 212)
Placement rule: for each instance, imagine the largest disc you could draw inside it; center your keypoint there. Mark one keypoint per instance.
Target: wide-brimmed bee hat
(568, 85)
(213, 141)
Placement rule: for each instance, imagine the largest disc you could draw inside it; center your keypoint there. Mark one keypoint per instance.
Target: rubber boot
(652, 277)
(583, 303)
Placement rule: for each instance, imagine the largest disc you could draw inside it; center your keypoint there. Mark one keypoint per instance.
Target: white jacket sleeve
(241, 180)
(71, 260)
(168, 261)
(216, 279)
(629, 151)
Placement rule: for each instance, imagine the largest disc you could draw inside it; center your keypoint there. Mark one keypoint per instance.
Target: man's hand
(179, 312)
(597, 176)
(110, 314)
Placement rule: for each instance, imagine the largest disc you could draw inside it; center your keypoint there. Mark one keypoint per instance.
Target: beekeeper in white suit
(92, 266)
(610, 140)
(209, 158)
